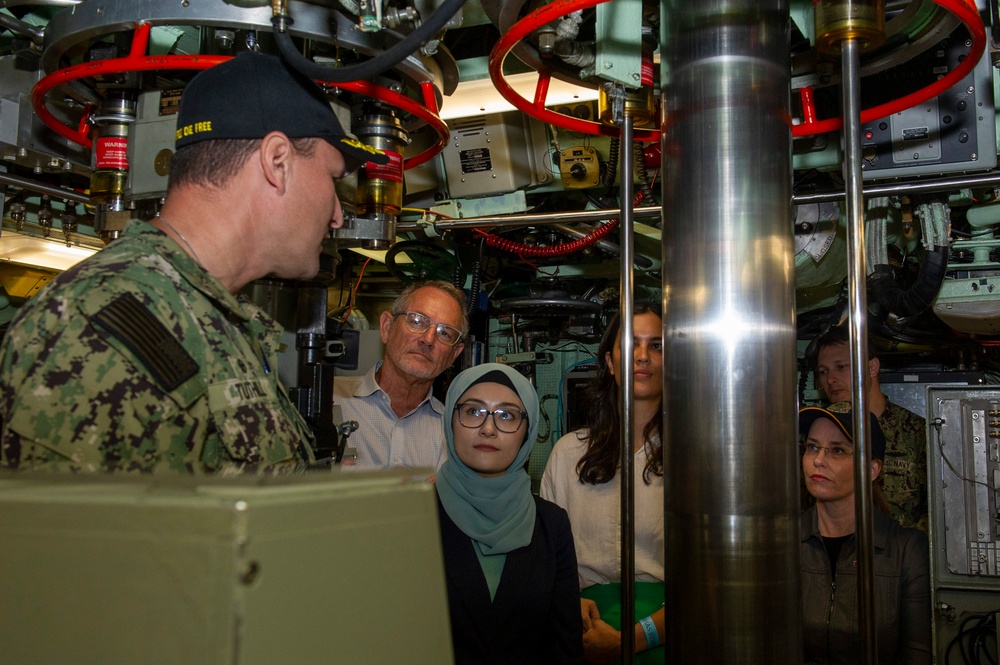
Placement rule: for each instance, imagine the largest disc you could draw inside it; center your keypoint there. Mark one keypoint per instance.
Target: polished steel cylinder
(730, 453)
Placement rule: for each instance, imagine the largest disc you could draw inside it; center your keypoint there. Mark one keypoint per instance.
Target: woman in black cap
(509, 560)
(828, 553)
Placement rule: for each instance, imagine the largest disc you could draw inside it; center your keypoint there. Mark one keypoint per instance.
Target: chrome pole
(858, 305)
(627, 372)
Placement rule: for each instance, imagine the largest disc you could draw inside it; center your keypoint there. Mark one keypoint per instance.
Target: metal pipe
(41, 3)
(35, 34)
(627, 390)
(42, 188)
(857, 283)
(603, 245)
(510, 221)
(656, 212)
(732, 487)
(917, 187)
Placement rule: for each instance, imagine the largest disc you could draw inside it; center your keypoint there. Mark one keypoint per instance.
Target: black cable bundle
(975, 634)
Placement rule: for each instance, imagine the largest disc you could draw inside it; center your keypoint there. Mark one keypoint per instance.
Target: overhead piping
(37, 35)
(369, 69)
(43, 188)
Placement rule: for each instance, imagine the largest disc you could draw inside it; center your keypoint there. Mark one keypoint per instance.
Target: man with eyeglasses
(399, 419)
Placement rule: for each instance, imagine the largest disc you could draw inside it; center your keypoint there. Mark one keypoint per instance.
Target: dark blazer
(535, 617)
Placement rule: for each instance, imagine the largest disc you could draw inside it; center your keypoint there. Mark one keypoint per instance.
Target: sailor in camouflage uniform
(141, 358)
(904, 471)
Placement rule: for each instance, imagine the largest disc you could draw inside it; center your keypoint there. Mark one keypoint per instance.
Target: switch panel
(580, 167)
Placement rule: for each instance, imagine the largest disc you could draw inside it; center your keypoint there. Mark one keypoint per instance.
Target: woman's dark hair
(600, 463)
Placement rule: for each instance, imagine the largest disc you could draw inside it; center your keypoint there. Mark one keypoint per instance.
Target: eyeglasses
(418, 323)
(505, 420)
(833, 452)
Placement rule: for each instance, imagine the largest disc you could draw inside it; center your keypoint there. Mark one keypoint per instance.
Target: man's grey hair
(402, 303)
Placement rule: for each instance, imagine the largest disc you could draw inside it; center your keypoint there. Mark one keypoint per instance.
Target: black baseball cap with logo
(254, 94)
(840, 414)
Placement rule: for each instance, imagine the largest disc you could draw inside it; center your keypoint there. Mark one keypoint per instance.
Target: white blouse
(595, 515)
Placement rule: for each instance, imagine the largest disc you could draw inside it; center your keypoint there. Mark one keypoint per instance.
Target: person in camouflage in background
(142, 358)
(904, 471)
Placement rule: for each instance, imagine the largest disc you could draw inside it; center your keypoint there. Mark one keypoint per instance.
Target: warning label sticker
(392, 170)
(111, 152)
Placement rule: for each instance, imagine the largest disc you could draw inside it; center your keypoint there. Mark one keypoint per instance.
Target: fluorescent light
(480, 96)
(48, 254)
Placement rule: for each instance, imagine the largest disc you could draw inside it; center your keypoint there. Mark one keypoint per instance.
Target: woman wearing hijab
(828, 554)
(509, 559)
(582, 477)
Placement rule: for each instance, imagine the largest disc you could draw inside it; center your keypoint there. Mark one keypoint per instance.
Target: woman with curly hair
(582, 477)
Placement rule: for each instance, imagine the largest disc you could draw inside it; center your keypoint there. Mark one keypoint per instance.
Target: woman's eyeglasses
(474, 416)
(833, 452)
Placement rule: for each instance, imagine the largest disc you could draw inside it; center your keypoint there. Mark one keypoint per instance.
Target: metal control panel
(963, 437)
(952, 132)
(580, 167)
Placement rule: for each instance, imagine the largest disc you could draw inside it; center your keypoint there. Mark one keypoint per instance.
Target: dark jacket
(535, 616)
(902, 596)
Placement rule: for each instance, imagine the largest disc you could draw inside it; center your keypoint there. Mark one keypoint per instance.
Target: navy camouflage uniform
(904, 469)
(138, 359)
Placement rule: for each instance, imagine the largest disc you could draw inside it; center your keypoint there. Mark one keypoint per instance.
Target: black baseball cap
(840, 413)
(254, 94)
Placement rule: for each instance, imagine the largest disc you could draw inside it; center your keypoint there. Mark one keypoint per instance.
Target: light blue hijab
(498, 513)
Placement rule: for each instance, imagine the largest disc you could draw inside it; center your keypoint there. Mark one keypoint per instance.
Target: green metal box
(317, 569)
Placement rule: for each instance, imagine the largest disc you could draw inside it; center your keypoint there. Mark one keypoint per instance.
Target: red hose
(808, 105)
(550, 251)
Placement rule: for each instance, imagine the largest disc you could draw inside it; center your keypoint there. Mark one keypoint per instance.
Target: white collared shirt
(382, 440)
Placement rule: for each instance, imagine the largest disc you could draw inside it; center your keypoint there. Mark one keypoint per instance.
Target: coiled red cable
(549, 251)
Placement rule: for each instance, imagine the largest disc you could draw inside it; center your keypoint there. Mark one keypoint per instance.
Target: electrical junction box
(316, 569)
(490, 154)
(580, 167)
(151, 143)
(963, 465)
